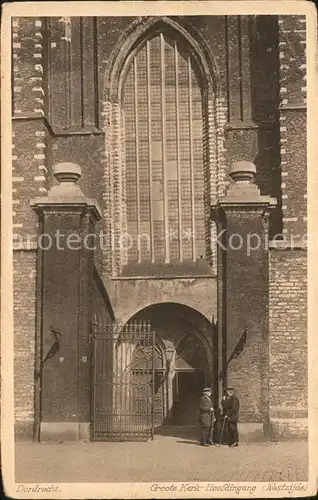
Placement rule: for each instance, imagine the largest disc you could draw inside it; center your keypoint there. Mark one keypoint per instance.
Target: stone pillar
(65, 268)
(242, 217)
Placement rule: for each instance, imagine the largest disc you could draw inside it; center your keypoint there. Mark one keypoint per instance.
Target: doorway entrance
(191, 376)
(187, 388)
(185, 344)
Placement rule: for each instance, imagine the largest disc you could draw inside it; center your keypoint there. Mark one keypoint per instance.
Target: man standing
(217, 426)
(231, 411)
(223, 432)
(206, 417)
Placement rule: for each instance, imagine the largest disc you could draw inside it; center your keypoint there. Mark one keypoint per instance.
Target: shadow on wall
(265, 64)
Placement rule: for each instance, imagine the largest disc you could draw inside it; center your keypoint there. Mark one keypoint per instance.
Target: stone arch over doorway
(188, 344)
(129, 297)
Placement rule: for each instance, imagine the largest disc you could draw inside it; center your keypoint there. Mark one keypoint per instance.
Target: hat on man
(207, 389)
(230, 389)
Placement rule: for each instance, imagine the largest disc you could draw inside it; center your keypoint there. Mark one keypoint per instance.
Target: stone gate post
(242, 218)
(65, 270)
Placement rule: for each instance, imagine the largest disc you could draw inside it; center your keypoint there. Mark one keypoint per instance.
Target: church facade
(175, 146)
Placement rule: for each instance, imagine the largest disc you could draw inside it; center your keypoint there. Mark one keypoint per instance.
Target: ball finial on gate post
(67, 172)
(243, 188)
(243, 172)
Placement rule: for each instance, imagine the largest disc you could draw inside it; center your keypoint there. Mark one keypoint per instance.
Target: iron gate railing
(123, 382)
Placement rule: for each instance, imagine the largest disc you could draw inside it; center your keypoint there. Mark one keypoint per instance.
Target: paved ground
(167, 458)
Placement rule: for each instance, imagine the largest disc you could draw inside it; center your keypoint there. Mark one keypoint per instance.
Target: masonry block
(288, 340)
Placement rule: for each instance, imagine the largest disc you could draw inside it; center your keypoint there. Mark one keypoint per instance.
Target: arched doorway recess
(186, 349)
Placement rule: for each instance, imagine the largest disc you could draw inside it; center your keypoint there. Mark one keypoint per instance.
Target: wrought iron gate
(123, 382)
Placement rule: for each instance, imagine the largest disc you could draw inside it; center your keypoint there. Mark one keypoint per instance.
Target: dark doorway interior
(187, 388)
(183, 364)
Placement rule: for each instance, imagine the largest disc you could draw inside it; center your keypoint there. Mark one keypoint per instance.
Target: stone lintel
(264, 203)
(261, 207)
(47, 205)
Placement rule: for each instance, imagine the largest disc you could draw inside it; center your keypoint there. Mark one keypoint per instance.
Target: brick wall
(56, 119)
(30, 150)
(288, 341)
(71, 75)
(252, 132)
(29, 174)
(28, 78)
(293, 130)
(30, 143)
(288, 268)
(24, 318)
(294, 173)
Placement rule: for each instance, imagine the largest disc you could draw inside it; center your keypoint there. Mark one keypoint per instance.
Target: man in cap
(223, 431)
(217, 427)
(206, 417)
(231, 414)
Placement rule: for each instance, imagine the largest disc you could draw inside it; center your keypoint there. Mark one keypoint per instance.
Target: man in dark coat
(223, 427)
(206, 417)
(231, 411)
(217, 426)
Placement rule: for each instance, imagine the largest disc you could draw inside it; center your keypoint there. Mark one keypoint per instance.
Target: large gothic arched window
(162, 100)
